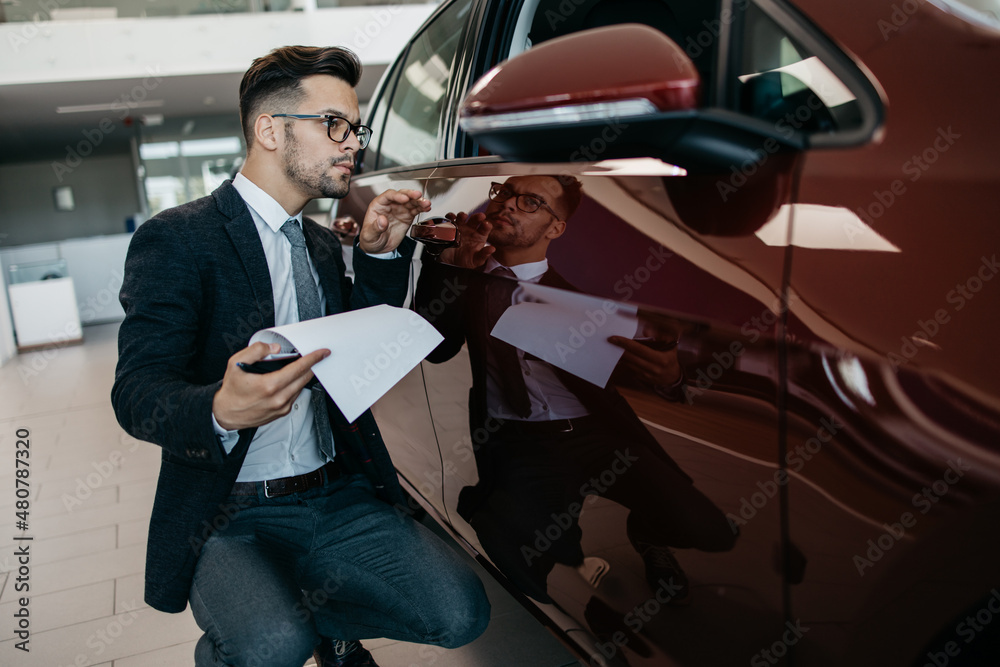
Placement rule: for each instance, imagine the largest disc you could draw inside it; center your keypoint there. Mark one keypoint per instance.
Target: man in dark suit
(274, 516)
(555, 438)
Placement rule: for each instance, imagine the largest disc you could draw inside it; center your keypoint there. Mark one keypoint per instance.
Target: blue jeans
(330, 562)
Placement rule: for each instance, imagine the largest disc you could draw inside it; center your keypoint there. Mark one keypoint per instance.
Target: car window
(412, 125)
(376, 117)
(539, 21)
(770, 75)
(678, 19)
(759, 58)
(778, 80)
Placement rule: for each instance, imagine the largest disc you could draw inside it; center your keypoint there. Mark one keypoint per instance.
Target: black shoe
(338, 653)
(664, 574)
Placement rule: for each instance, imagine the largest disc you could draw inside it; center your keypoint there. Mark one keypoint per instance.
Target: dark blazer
(196, 288)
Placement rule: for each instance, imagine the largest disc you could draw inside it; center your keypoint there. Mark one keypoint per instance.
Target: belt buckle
(267, 490)
(569, 428)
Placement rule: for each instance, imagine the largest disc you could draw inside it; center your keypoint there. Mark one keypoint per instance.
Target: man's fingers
(414, 197)
(291, 379)
(627, 344)
(301, 366)
(462, 219)
(390, 197)
(254, 353)
(637, 356)
(313, 358)
(484, 254)
(388, 217)
(410, 194)
(655, 366)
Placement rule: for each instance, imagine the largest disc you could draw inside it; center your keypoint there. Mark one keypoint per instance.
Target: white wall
(103, 187)
(96, 265)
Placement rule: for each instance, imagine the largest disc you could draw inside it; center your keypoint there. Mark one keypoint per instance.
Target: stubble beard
(316, 181)
(512, 235)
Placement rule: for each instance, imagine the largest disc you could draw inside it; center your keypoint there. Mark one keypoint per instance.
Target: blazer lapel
(243, 233)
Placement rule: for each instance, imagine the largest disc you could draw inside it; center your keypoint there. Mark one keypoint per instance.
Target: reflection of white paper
(568, 330)
(371, 349)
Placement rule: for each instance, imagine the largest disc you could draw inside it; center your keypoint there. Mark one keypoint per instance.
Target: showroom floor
(91, 490)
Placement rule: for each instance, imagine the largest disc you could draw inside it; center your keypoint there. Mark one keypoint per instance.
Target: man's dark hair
(273, 82)
(572, 192)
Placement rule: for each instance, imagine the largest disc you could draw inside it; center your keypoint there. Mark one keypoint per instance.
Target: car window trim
(386, 88)
(871, 100)
(476, 62)
(449, 133)
(395, 72)
(720, 91)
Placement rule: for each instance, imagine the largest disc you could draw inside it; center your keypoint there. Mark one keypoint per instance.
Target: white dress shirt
(288, 445)
(548, 396)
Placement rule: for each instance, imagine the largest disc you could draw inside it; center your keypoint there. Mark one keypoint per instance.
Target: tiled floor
(91, 490)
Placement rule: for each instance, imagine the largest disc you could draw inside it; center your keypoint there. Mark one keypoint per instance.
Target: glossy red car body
(809, 206)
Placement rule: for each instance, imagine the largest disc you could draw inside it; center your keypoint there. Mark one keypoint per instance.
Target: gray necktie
(307, 297)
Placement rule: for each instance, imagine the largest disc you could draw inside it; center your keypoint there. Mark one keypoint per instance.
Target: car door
(891, 271)
(625, 252)
(795, 87)
(408, 114)
(646, 238)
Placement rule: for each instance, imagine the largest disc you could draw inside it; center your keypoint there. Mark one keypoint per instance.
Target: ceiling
(31, 130)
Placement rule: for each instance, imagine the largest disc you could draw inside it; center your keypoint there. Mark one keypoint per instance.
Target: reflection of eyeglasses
(527, 202)
(337, 128)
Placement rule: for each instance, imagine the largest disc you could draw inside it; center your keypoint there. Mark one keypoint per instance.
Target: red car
(786, 219)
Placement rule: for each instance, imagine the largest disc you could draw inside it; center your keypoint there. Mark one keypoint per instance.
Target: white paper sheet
(371, 349)
(567, 329)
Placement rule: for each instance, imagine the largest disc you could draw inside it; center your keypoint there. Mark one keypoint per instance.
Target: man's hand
(473, 232)
(651, 360)
(250, 399)
(388, 218)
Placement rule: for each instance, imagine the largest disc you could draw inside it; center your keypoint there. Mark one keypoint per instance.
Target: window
(411, 129)
(376, 118)
(780, 81)
(693, 24)
(186, 158)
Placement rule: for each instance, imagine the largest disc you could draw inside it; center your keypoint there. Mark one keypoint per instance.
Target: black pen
(268, 365)
(658, 345)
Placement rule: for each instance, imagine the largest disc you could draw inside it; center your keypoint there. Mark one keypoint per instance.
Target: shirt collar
(529, 272)
(263, 204)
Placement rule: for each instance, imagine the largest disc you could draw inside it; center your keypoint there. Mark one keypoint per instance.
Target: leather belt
(283, 486)
(551, 427)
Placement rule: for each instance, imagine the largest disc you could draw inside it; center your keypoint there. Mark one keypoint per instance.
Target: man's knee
(288, 644)
(462, 618)
(280, 644)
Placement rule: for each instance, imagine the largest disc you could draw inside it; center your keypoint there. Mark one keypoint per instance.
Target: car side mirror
(583, 97)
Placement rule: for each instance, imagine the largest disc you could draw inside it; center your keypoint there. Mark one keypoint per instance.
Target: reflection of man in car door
(555, 439)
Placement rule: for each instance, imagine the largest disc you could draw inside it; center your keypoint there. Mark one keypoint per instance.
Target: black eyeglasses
(337, 128)
(527, 202)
